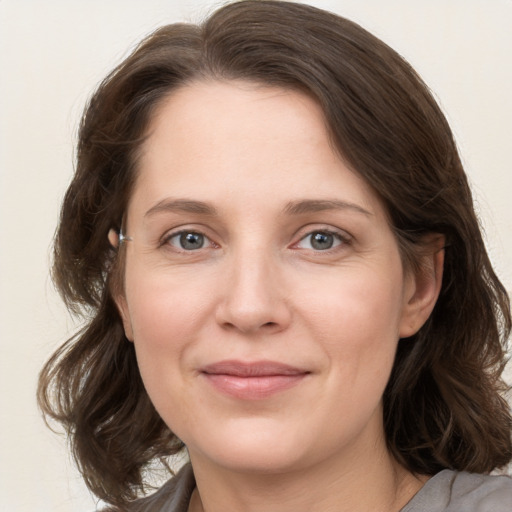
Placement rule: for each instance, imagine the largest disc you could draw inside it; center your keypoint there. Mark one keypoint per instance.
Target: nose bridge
(253, 297)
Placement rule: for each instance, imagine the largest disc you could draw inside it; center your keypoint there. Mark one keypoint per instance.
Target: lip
(252, 380)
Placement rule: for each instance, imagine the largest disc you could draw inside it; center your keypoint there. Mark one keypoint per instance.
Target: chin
(253, 450)
(261, 460)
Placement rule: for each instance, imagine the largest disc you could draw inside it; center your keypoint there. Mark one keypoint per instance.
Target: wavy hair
(444, 405)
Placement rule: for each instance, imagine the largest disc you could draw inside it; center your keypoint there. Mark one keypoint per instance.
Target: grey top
(452, 491)
(448, 491)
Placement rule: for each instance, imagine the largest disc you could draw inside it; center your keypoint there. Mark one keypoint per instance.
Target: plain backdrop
(53, 53)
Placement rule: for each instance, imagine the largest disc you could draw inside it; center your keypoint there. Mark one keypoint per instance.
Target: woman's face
(264, 289)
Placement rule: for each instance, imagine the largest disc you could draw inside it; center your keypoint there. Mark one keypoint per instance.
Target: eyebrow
(320, 205)
(182, 206)
(298, 207)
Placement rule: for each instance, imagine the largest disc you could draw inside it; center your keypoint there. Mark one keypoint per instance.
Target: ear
(423, 285)
(122, 307)
(113, 238)
(120, 299)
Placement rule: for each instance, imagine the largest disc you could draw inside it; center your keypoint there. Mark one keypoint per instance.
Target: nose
(253, 298)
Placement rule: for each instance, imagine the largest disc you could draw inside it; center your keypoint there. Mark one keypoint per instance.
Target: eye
(321, 240)
(188, 240)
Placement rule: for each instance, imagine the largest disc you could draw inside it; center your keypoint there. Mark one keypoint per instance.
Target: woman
(273, 238)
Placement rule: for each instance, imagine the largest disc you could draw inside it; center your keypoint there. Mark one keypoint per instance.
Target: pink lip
(252, 381)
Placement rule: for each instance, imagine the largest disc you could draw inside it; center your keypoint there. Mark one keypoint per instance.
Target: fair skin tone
(265, 295)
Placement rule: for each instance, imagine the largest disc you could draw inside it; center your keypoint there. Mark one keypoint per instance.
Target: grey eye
(188, 240)
(321, 240)
(191, 241)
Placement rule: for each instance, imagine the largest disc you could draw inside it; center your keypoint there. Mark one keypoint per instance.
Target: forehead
(214, 139)
(210, 112)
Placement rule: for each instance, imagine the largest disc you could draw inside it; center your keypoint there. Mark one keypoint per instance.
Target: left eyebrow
(320, 205)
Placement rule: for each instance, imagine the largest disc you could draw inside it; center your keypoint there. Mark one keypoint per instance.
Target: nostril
(266, 326)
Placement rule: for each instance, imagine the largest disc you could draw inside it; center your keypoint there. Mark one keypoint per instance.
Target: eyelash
(167, 239)
(342, 238)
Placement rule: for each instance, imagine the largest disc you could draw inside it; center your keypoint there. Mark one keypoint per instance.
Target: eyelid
(344, 237)
(168, 235)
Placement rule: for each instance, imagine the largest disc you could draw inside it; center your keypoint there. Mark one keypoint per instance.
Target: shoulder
(452, 491)
(484, 493)
(173, 496)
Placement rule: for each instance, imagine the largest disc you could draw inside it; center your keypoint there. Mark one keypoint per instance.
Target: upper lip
(251, 369)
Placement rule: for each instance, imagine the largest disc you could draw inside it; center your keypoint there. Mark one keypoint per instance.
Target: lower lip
(253, 388)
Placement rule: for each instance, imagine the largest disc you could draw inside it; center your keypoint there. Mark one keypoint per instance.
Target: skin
(251, 169)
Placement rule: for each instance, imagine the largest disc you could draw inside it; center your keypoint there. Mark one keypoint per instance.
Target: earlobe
(113, 238)
(122, 307)
(423, 286)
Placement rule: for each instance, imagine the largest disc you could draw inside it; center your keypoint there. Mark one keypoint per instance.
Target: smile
(252, 381)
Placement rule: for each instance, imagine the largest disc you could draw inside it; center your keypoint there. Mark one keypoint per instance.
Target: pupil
(322, 241)
(191, 241)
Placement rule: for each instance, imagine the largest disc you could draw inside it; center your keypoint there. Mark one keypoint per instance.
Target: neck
(377, 483)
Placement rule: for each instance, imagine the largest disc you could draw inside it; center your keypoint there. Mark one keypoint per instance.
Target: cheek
(357, 320)
(166, 320)
(362, 306)
(164, 309)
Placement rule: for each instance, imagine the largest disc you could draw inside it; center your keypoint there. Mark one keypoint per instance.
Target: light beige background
(52, 53)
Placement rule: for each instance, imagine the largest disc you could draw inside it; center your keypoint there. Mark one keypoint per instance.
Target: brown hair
(442, 406)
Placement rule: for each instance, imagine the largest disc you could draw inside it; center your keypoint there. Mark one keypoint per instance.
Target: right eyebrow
(182, 206)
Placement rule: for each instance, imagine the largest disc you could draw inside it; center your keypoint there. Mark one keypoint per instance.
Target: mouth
(254, 380)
